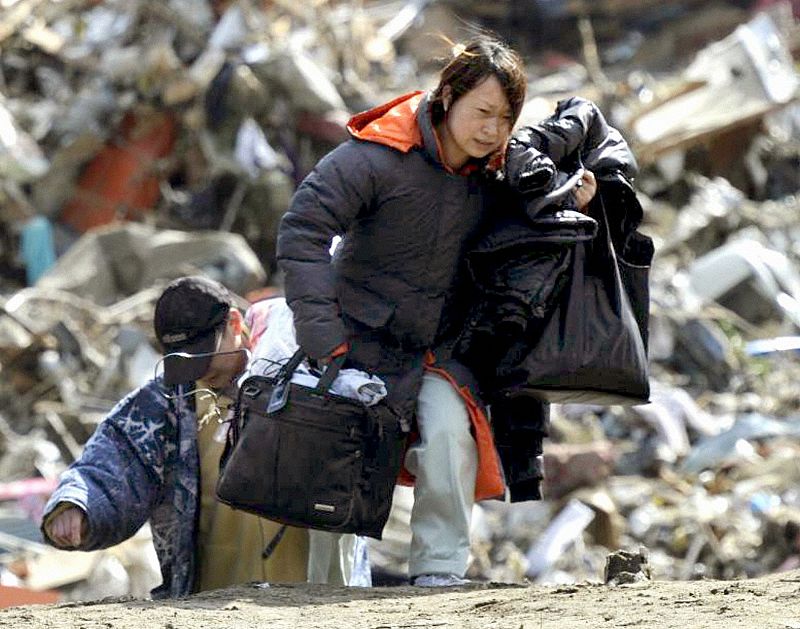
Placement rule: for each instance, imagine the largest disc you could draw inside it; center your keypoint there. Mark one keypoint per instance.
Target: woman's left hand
(585, 190)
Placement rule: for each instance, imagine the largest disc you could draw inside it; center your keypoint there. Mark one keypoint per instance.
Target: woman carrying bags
(408, 194)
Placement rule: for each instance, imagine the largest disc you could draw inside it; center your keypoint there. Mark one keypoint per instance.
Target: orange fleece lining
(489, 482)
(393, 124)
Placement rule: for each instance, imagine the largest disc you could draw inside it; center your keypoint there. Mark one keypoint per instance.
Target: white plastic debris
(21, 159)
(565, 529)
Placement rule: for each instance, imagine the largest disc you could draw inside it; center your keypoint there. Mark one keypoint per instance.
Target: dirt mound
(771, 601)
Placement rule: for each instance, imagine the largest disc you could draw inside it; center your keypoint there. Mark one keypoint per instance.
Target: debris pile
(181, 114)
(702, 481)
(141, 140)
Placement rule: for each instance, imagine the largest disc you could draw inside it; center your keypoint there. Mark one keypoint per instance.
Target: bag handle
(330, 374)
(293, 363)
(280, 394)
(326, 379)
(566, 187)
(604, 253)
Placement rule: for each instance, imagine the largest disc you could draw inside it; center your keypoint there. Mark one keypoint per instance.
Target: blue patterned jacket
(142, 464)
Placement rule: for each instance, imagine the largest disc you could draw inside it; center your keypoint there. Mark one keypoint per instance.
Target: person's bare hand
(67, 528)
(339, 350)
(585, 190)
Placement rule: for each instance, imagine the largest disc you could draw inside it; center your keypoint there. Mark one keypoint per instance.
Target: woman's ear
(447, 97)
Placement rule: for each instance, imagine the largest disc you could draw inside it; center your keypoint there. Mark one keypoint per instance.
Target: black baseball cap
(188, 315)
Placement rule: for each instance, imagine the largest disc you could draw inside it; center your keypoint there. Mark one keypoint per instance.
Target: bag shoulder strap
(325, 381)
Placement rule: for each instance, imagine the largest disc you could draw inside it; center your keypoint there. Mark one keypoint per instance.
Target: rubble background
(141, 140)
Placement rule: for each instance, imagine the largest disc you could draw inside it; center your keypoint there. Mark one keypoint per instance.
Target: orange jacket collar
(393, 124)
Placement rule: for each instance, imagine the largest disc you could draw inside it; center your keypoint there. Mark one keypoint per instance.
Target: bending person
(155, 458)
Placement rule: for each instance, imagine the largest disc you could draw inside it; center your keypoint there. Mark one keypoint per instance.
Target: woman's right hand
(67, 528)
(340, 350)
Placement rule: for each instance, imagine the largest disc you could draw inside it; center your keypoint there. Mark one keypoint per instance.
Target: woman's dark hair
(474, 61)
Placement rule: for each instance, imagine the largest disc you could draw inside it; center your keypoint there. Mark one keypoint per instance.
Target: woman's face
(478, 123)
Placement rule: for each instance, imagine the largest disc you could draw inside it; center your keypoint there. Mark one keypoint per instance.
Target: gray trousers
(445, 464)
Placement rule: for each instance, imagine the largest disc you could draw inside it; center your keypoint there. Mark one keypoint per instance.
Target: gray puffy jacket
(391, 290)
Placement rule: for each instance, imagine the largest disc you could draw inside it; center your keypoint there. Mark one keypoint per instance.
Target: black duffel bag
(562, 317)
(306, 457)
(592, 346)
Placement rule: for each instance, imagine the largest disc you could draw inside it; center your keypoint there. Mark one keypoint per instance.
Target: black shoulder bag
(309, 458)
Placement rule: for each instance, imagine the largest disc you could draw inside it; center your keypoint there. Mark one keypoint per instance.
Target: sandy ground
(770, 602)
